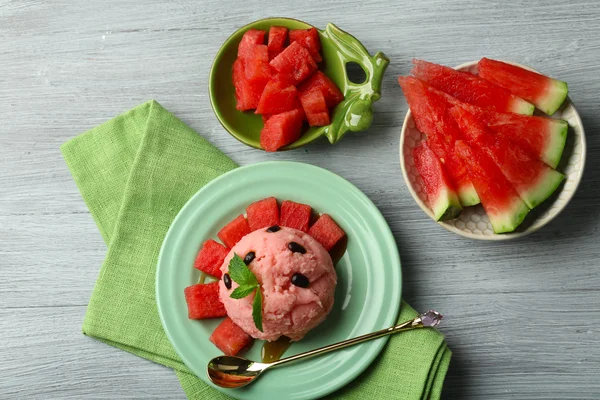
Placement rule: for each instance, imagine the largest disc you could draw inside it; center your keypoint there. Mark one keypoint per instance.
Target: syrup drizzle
(272, 351)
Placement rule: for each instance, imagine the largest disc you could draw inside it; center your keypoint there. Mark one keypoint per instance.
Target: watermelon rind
(468, 195)
(510, 218)
(556, 144)
(545, 186)
(446, 206)
(556, 96)
(523, 107)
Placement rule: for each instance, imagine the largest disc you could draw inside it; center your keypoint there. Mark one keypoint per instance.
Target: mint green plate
(354, 113)
(367, 296)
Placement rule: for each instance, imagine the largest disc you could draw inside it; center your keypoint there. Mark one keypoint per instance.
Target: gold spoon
(234, 372)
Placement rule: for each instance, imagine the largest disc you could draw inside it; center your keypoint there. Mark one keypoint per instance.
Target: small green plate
(354, 113)
(367, 296)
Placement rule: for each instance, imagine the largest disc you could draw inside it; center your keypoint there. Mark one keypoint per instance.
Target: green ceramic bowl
(367, 296)
(354, 113)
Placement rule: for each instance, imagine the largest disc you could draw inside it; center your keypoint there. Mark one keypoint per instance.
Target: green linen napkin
(135, 172)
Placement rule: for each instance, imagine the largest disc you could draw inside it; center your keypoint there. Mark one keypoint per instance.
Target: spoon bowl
(234, 372)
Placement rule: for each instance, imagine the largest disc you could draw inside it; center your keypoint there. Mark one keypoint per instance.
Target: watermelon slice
(541, 136)
(315, 107)
(430, 112)
(326, 232)
(247, 93)
(277, 39)
(319, 81)
(257, 64)
(281, 129)
(441, 195)
(295, 215)
(277, 98)
(203, 301)
(532, 179)
(231, 233)
(470, 88)
(230, 338)
(251, 38)
(545, 93)
(263, 213)
(501, 202)
(210, 257)
(309, 39)
(294, 64)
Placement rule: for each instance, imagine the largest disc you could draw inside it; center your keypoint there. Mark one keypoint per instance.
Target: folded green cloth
(135, 172)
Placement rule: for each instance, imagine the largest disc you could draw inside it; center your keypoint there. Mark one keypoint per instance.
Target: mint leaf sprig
(248, 284)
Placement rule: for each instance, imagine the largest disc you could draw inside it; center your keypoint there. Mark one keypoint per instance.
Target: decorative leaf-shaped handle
(355, 112)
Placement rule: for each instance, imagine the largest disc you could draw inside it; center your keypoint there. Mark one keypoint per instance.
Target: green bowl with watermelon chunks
(339, 48)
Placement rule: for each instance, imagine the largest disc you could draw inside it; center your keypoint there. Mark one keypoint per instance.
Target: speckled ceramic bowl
(339, 48)
(473, 222)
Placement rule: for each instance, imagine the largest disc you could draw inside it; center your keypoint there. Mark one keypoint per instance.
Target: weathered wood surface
(522, 317)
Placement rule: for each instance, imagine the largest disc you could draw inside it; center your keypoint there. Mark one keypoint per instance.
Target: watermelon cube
(295, 215)
(277, 97)
(203, 301)
(315, 107)
(309, 39)
(282, 129)
(231, 233)
(251, 38)
(319, 81)
(294, 64)
(277, 40)
(230, 338)
(210, 257)
(263, 213)
(247, 93)
(257, 64)
(326, 232)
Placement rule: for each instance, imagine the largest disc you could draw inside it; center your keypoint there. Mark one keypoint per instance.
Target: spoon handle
(425, 320)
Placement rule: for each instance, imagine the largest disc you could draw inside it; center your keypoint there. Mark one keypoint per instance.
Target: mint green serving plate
(354, 113)
(367, 296)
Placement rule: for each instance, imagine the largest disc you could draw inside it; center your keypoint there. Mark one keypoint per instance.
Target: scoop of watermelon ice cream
(288, 309)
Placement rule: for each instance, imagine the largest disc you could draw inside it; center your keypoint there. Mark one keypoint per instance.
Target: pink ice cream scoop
(297, 280)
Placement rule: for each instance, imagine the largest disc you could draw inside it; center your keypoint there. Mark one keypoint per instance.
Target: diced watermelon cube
(282, 129)
(257, 64)
(230, 338)
(263, 213)
(277, 98)
(251, 38)
(203, 301)
(247, 93)
(315, 108)
(319, 81)
(326, 232)
(210, 257)
(231, 233)
(265, 118)
(294, 64)
(295, 215)
(277, 40)
(309, 39)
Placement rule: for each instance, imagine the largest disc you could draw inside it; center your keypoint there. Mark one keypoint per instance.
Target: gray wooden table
(522, 317)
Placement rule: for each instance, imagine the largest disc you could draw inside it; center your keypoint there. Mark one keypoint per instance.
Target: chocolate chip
(300, 280)
(249, 257)
(227, 281)
(296, 248)
(273, 229)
